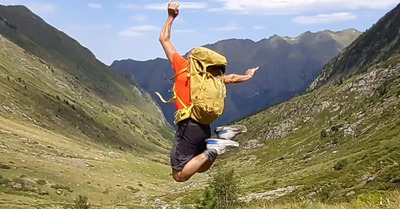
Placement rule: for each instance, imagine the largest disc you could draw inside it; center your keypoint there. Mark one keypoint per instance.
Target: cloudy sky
(122, 29)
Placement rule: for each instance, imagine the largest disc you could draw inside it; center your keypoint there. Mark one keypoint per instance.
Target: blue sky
(122, 29)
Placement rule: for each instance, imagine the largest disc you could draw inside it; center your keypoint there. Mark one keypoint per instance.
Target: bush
(226, 188)
(132, 189)
(82, 202)
(62, 187)
(41, 182)
(340, 165)
(208, 200)
(382, 90)
(323, 134)
(2, 166)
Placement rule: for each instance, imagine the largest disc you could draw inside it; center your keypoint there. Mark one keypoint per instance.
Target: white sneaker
(220, 145)
(229, 132)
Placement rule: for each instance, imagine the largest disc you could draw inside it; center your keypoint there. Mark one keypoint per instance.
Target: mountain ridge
(379, 34)
(286, 69)
(63, 71)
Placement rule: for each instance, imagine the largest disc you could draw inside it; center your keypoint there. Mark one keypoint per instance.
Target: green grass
(357, 155)
(106, 176)
(33, 90)
(70, 127)
(366, 201)
(60, 139)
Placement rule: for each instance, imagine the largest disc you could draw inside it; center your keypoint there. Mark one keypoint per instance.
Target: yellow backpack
(207, 87)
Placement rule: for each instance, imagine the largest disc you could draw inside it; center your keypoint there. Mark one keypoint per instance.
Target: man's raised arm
(235, 78)
(165, 35)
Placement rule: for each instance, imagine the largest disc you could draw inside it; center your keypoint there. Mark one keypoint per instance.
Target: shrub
(132, 189)
(226, 188)
(323, 134)
(340, 165)
(382, 90)
(41, 182)
(208, 200)
(2, 166)
(82, 202)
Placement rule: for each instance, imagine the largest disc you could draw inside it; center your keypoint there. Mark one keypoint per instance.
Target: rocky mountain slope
(365, 52)
(71, 126)
(287, 66)
(51, 79)
(337, 143)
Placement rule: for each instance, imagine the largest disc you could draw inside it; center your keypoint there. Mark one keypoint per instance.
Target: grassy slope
(36, 91)
(333, 144)
(335, 140)
(53, 128)
(73, 167)
(69, 72)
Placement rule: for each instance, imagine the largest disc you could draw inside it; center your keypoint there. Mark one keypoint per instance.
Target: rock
(59, 192)
(15, 185)
(253, 143)
(159, 204)
(43, 192)
(311, 195)
(269, 195)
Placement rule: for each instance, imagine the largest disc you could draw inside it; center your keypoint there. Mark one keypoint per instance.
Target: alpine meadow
(76, 133)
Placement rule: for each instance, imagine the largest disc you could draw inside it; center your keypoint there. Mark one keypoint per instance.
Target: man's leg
(189, 151)
(200, 163)
(206, 166)
(203, 161)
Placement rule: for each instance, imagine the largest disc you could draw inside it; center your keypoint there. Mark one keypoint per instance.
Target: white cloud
(276, 7)
(325, 18)
(128, 6)
(138, 18)
(228, 28)
(138, 30)
(258, 27)
(95, 6)
(184, 5)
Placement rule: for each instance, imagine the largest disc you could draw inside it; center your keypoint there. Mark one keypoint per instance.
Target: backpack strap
(172, 99)
(180, 72)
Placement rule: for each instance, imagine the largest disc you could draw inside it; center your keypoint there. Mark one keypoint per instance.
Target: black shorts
(189, 141)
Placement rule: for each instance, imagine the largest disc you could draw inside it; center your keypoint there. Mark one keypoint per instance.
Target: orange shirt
(182, 81)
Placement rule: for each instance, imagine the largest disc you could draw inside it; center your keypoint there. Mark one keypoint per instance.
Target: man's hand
(235, 78)
(251, 72)
(173, 8)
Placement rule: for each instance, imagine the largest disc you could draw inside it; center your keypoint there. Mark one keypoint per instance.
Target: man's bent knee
(178, 177)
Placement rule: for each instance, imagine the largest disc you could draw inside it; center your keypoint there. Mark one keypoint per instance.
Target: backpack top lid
(208, 57)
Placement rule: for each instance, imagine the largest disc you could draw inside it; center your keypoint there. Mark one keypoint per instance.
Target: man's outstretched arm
(165, 35)
(235, 78)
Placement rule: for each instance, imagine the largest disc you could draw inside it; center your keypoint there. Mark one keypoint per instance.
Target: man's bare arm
(235, 78)
(165, 35)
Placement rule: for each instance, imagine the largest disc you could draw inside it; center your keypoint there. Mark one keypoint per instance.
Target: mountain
(365, 52)
(337, 143)
(59, 85)
(287, 67)
(71, 126)
(151, 76)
